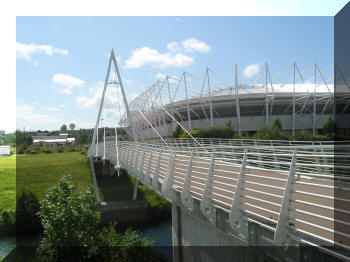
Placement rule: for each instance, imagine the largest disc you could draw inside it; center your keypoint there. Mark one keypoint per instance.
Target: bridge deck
(318, 205)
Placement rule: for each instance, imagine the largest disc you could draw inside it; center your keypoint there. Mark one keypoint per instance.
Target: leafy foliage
(71, 228)
(27, 218)
(178, 132)
(71, 126)
(330, 127)
(273, 132)
(63, 128)
(194, 133)
(7, 222)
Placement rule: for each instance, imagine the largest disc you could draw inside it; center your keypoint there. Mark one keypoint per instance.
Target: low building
(5, 151)
(60, 140)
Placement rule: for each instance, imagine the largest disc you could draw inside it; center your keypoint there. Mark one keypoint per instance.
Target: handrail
(316, 185)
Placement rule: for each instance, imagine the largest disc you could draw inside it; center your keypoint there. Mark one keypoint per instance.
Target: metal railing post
(185, 193)
(169, 176)
(205, 206)
(235, 217)
(141, 171)
(147, 178)
(281, 237)
(155, 182)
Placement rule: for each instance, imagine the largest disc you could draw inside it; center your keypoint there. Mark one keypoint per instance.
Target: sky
(61, 62)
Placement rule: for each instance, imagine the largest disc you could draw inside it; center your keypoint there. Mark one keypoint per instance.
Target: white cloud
(173, 47)
(26, 51)
(147, 56)
(66, 83)
(194, 45)
(27, 115)
(160, 76)
(55, 109)
(251, 70)
(67, 80)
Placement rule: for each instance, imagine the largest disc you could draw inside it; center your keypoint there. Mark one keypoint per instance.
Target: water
(6, 245)
(160, 232)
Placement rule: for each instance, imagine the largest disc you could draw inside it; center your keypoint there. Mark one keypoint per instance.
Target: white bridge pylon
(119, 86)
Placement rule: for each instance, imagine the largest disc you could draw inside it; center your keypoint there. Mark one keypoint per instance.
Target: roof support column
(314, 107)
(210, 102)
(188, 106)
(293, 113)
(238, 111)
(266, 99)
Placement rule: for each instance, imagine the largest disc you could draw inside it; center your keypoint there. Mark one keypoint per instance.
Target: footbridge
(273, 197)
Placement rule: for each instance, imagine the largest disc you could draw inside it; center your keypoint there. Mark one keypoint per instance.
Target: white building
(60, 140)
(5, 151)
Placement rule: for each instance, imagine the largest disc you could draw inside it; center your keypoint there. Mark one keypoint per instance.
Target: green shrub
(27, 218)
(330, 127)
(194, 133)
(273, 132)
(216, 132)
(320, 138)
(8, 222)
(71, 228)
(177, 132)
(304, 136)
(60, 150)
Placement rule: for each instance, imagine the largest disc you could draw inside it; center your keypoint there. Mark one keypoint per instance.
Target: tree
(273, 132)
(69, 219)
(63, 128)
(177, 132)
(71, 229)
(71, 126)
(330, 127)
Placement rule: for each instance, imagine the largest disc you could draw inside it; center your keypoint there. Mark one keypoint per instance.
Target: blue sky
(62, 61)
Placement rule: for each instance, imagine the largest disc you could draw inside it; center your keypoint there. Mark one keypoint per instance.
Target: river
(160, 232)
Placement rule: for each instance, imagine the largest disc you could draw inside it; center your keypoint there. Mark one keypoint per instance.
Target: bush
(7, 222)
(273, 132)
(47, 151)
(193, 132)
(304, 136)
(320, 138)
(71, 228)
(60, 150)
(178, 132)
(216, 132)
(27, 217)
(330, 127)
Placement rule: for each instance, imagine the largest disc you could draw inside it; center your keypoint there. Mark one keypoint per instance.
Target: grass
(7, 182)
(114, 188)
(36, 173)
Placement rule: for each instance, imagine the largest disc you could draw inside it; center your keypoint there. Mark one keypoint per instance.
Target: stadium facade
(303, 101)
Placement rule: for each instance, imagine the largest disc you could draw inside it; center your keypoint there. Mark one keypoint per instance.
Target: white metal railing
(300, 191)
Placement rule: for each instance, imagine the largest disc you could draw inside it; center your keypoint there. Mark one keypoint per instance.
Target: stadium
(304, 100)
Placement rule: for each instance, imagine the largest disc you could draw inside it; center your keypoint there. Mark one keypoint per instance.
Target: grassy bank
(7, 182)
(114, 188)
(36, 173)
